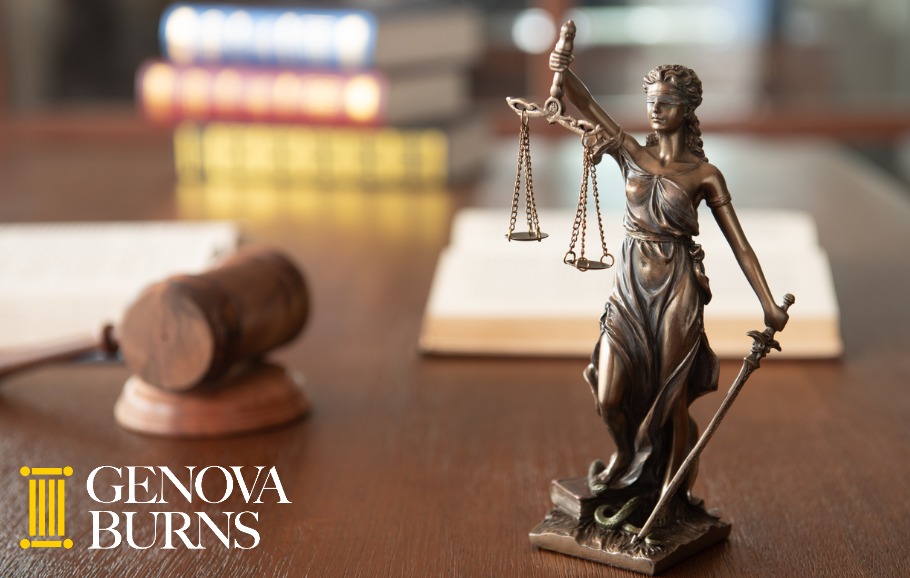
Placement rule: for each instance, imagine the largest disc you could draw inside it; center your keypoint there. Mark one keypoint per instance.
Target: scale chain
(532, 202)
(580, 262)
(589, 158)
(524, 162)
(530, 206)
(576, 225)
(516, 196)
(584, 203)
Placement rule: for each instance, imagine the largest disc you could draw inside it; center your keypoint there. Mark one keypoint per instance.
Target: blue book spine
(215, 34)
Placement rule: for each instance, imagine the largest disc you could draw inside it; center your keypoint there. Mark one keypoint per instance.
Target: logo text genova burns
(160, 485)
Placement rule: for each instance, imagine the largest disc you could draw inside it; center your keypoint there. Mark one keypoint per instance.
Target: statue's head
(684, 84)
(681, 79)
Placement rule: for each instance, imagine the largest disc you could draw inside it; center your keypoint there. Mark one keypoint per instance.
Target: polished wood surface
(420, 466)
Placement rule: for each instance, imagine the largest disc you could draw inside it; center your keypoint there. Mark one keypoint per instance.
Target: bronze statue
(653, 358)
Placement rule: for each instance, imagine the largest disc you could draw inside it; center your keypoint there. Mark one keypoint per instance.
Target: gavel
(190, 330)
(195, 345)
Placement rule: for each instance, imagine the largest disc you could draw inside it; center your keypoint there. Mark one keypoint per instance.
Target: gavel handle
(17, 361)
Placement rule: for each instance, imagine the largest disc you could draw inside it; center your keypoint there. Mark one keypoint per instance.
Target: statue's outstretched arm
(775, 316)
(579, 95)
(566, 83)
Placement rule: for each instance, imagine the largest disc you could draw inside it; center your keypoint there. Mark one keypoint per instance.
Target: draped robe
(653, 318)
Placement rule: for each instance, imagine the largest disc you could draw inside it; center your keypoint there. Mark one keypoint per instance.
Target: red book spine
(167, 94)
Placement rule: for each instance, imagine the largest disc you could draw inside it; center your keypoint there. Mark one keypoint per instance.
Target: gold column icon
(46, 507)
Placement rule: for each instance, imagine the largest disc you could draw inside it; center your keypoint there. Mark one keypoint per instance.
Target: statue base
(258, 396)
(570, 528)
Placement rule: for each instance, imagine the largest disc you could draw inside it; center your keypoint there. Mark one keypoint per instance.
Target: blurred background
(838, 68)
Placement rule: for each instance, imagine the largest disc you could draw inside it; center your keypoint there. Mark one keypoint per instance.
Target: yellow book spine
(290, 155)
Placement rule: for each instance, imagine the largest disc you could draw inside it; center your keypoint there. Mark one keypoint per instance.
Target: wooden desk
(413, 466)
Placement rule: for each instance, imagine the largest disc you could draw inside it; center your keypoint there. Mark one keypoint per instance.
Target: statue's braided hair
(687, 84)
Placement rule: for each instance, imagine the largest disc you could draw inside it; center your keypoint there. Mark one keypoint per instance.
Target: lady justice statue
(653, 358)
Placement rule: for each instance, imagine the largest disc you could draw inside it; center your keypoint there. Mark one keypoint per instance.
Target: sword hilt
(789, 300)
(763, 341)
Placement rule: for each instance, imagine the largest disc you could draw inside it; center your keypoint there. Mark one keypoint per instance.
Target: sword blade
(762, 344)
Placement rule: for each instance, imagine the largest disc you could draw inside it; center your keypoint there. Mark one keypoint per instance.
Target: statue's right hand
(559, 61)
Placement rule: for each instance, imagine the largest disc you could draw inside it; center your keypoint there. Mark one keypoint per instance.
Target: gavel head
(191, 329)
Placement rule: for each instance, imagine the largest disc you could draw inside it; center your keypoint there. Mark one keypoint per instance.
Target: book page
(498, 297)
(64, 281)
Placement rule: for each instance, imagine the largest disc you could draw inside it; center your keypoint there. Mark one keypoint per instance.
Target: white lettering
(230, 529)
(170, 531)
(222, 537)
(97, 529)
(228, 484)
(186, 491)
(246, 530)
(273, 475)
(247, 492)
(90, 485)
(129, 531)
(133, 484)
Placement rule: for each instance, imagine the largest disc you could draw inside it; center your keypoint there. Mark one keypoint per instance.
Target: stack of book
(328, 97)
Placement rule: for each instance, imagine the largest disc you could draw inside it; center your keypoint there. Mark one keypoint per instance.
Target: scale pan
(583, 264)
(527, 236)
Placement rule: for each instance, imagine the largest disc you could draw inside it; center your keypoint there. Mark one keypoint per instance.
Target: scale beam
(580, 127)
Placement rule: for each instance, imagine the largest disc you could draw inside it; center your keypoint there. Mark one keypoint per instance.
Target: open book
(490, 296)
(63, 281)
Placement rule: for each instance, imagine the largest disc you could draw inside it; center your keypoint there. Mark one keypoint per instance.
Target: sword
(762, 343)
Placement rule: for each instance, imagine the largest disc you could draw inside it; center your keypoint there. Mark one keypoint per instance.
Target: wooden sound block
(260, 396)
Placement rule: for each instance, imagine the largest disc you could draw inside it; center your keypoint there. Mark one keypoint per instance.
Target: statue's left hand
(776, 318)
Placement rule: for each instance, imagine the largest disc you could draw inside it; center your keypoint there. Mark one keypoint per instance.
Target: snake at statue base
(618, 519)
